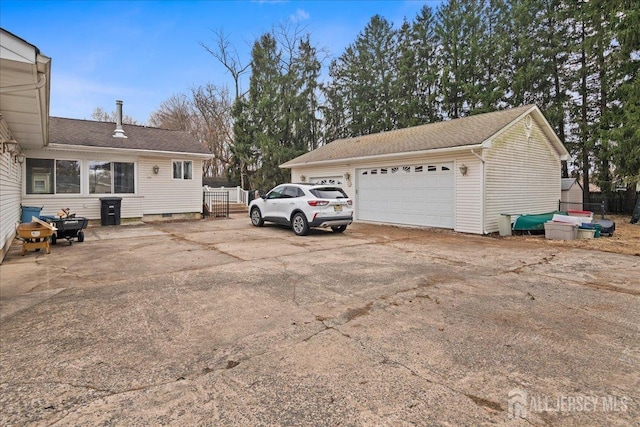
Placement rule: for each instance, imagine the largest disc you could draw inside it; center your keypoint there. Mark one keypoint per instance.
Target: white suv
(302, 206)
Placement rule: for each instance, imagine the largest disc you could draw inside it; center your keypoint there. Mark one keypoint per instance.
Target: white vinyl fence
(236, 194)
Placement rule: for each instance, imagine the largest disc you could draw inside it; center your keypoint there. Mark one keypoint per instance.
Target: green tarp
(534, 222)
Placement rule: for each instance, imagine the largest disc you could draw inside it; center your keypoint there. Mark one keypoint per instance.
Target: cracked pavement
(215, 323)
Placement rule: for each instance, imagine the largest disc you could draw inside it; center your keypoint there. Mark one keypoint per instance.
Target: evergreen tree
(461, 30)
(416, 87)
(450, 33)
(277, 120)
(362, 81)
(624, 131)
(577, 60)
(405, 88)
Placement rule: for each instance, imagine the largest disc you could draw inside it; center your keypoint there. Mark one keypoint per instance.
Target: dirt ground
(625, 240)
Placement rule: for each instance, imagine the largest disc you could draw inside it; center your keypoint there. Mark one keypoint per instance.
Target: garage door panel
(413, 195)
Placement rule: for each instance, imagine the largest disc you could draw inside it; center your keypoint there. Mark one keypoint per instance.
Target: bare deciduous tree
(100, 115)
(228, 56)
(206, 114)
(214, 125)
(175, 113)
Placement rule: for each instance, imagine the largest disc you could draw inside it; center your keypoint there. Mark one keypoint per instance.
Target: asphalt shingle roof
(100, 134)
(567, 183)
(461, 132)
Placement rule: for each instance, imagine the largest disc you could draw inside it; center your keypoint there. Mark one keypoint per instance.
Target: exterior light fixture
(156, 169)
(464, 169)
(10, 146)
(19, 158)
(347, 176)
(303, 178)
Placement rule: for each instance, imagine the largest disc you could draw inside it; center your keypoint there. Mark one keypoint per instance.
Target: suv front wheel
(299, 224)
(256, 217)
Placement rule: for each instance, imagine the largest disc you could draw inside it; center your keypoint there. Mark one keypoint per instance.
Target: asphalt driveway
(220, 323)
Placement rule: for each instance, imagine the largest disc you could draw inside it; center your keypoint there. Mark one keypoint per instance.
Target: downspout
(483, 192)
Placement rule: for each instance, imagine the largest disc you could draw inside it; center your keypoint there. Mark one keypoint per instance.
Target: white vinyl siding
(572, 197)
(165, 195)
(154, 194)
(522, 174)
(10, 196)
(469, 193)
(84, 206)
(317, 173)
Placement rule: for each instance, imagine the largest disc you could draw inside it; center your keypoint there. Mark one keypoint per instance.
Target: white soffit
(24, 90)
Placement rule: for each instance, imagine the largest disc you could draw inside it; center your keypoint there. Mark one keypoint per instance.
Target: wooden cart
(35, 236)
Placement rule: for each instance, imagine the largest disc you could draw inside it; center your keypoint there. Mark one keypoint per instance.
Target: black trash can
(110, 210)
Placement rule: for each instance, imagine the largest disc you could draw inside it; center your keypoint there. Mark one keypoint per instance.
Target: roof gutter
(86, 149)
(381, 156)
(42, 80)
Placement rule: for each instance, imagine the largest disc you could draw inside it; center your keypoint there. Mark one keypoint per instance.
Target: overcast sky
(142, 52)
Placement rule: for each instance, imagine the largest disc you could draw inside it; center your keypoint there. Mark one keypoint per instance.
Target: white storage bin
(560, 230)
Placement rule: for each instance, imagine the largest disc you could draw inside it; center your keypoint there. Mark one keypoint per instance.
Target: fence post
(602, 208)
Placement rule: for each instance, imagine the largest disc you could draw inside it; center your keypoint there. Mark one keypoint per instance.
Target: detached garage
(459, 174)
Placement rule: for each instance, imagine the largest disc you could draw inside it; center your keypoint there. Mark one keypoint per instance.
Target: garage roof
(88, 133)
(463, 132)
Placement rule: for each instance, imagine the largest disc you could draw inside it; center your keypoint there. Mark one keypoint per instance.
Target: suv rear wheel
(299, 224)
(256, 217)
(339, 229)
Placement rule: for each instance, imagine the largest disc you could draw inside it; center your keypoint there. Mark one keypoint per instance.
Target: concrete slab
(221, 323)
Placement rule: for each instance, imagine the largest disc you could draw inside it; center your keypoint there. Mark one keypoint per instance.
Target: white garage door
(414, 195)
(332, 180)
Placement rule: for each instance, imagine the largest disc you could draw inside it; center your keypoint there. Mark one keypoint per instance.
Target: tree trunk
(584, 121)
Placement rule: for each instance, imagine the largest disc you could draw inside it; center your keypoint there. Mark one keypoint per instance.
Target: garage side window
(40, 176)
(182, 169)
(111, 177)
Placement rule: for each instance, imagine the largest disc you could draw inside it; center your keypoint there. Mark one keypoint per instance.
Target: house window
(123, 178)
(40, 176)
(50, 176)
(111, 177)
(67, 177)
(182, 169)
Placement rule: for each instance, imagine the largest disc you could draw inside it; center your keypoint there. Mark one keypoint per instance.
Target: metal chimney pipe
(119, 132)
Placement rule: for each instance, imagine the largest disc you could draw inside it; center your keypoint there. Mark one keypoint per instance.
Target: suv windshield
(329, 193)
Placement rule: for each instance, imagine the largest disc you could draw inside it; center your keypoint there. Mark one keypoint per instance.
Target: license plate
(337, 208)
